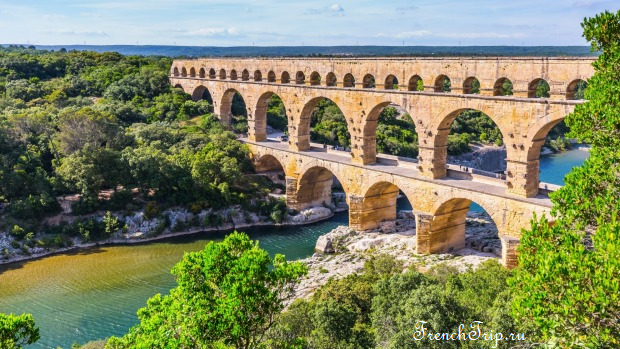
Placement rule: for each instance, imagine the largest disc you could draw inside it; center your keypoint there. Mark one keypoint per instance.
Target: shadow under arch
(314, 188)
(268, 163)
(302, 133)
(379, 204)
(202, 92)
(447, 230)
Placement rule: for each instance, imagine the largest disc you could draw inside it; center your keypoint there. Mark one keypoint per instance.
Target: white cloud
(336, 7)
(214, 32)
(334, 10)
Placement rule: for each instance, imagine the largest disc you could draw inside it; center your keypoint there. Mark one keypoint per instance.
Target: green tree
(567, 285)
(16, 331)
(87, 127)
(227, 295)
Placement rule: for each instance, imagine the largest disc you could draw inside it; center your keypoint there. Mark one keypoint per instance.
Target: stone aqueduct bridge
(362, 88)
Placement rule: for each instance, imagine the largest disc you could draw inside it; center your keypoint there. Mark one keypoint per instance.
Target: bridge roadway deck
(492, 187)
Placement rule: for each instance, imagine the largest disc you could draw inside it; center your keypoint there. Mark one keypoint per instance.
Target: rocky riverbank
(138, 228)
(344, 251)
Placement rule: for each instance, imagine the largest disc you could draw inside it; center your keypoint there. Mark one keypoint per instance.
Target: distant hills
(358, 51)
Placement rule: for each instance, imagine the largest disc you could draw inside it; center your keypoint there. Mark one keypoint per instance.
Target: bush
(120, 199)
(34, 206)
(151, 210)
(86, 205)
(17, 232)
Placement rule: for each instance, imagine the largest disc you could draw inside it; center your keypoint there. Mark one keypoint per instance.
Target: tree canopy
(227, 296)
(568, 281)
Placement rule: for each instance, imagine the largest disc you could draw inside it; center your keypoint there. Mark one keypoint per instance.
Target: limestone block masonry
(362, 88)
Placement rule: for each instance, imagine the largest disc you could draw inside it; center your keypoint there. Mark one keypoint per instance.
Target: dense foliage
(568, 283)
(16, 331)
(380, 308)
(82, 122)
(227, 297)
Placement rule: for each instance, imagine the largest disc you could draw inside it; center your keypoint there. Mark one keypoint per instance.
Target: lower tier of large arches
(440, 209)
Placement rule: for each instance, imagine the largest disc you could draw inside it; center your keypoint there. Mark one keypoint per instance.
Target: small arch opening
(539, 88)
(315, 79)
(286, 78)
(233, 75)
(443, 84)
(192, 72)
(184, 72)
(222, 74)
(245, 75)
(176, 71)
(202, 73)
(369, 81)
(211, 73)
(471, 86)
(331, 80)
(271, 76)
(503, 87)
(576, 90)
(349, 81)
(415, 84)
(391, 83)
(258, 76)
(300, 78)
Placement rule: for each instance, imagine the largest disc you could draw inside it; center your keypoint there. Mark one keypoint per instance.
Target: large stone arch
(202, 92)
(269, 163)
(376, 204)
(314, 185)
(369, 129)
(434, 139)
(446, 232)
(524, 172)
(257, 125)
(301, 131)
(226, 105)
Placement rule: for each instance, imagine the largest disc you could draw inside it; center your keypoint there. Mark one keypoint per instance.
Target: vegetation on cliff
(567, 286)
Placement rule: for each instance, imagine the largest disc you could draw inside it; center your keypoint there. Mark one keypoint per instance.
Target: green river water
(95, 293)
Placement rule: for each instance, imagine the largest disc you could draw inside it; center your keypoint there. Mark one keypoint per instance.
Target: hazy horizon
(243, 23)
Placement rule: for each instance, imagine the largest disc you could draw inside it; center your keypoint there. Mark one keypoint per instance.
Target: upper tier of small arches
(534, 87)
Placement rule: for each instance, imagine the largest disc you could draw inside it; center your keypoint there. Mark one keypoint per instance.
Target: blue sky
(292, 23)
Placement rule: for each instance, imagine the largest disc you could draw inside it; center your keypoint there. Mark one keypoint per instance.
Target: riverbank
(139, 230)
(344, 251)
